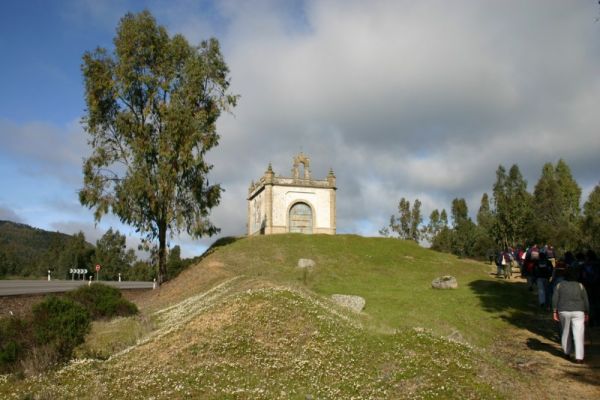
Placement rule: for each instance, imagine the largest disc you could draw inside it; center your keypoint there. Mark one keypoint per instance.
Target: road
(16, 287)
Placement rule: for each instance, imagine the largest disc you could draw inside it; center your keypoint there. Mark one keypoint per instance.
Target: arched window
(301, 218)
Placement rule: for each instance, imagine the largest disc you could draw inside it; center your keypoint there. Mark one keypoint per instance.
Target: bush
(13, 342)
(61, 324)
(103, 301)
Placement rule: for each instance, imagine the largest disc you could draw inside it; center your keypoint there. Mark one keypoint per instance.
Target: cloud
(401, 98)
(409, 99)
(6, 214)
(42, 149)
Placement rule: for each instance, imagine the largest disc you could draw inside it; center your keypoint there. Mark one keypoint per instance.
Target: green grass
(109, 337)
(268, 330)
(393, 276)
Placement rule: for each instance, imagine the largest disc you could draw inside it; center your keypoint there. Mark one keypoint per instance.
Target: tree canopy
(551, 214)
(152, 107)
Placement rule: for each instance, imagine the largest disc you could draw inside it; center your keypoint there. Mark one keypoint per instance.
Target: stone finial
(331, 177)
(269, 174)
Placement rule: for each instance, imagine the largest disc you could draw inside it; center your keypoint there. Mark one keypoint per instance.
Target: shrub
(13, 342)
(103, 301)
(61, 324)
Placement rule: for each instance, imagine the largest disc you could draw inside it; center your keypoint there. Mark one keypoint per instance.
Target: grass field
(246, 323)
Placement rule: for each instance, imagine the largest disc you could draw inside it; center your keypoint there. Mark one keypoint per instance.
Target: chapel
(278, 204)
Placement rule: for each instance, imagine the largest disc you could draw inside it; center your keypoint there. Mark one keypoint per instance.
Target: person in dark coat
(542, 273)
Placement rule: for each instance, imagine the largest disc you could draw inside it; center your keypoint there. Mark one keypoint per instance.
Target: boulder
(306, 263)
(355, 303)
(444, 282)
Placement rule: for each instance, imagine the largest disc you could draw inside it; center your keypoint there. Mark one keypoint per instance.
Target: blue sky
(401, 98)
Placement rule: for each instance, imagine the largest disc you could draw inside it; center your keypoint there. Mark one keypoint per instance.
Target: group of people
(569, 286)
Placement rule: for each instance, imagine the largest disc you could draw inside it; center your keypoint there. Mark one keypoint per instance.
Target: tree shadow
(513, 303)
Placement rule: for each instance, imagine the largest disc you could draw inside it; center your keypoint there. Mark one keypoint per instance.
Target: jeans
(543, 292)
(573, 329)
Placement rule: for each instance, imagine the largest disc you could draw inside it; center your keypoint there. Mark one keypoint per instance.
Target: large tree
(152, 107)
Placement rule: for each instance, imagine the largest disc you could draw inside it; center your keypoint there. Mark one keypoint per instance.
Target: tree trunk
(162, 252)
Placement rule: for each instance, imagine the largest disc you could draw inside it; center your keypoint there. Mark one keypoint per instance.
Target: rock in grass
(355, 303)
(306, 263)
(444, 282)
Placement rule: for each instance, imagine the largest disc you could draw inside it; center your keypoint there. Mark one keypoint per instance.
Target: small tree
(152, 108)
(463, 232)
(407, 223)
(112, 254)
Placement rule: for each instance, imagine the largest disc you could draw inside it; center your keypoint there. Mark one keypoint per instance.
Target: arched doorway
(301, 218)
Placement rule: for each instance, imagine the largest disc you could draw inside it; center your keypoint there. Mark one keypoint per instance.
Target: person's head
(569, 258)
(590, 255)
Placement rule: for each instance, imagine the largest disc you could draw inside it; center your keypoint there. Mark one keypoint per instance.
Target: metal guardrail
(17, 287)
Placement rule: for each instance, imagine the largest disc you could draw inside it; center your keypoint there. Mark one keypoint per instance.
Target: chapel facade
(299, 203)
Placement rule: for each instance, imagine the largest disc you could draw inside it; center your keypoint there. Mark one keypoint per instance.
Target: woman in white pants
(571, 307)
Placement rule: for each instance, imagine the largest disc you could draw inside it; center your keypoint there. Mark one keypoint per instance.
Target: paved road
(15, 287)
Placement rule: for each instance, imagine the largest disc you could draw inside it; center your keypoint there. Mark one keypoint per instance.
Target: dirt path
(536, 354)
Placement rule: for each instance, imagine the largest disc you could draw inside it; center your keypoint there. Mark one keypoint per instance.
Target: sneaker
(578, 361)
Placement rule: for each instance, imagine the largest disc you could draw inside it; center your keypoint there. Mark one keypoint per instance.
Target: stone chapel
(299, 203)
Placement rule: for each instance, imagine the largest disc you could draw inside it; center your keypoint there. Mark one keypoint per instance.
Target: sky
(414, 99)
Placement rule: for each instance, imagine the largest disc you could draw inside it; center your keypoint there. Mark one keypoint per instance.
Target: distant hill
(27, 251)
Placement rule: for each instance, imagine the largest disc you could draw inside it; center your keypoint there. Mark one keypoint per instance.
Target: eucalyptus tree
(591, 219)
(407, 223)
(152, 107)
(512, 207)
(463, 231)
(484, 241)
(112, 254)
(556, 206)
(443, 239)
(433, 227)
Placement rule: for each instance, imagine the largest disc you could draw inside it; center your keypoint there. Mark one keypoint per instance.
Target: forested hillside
(28, 251)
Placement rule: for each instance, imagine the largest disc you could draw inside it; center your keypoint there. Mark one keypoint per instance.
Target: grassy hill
(246, 323)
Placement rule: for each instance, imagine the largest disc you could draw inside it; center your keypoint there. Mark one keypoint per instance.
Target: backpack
(543, 270)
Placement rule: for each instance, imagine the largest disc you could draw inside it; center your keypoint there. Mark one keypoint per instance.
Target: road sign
(98, 267)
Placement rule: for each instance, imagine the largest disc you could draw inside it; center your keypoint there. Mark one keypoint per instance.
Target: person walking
(571, 308)
(542, 273)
